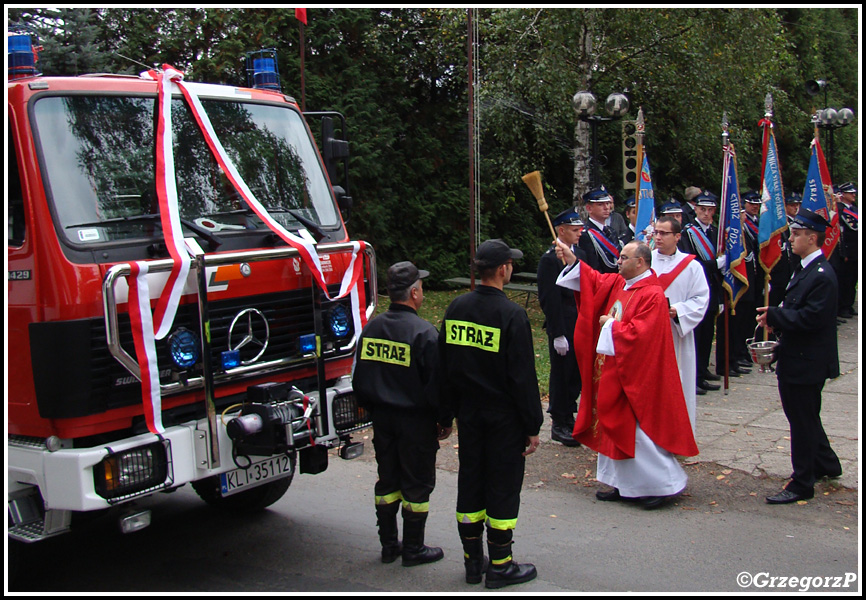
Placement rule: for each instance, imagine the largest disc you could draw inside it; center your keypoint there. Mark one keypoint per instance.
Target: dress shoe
(742, 370)
(841, 321)
(745, 363)
(846, 313)
(608, 496)
(562, 434)
(707, 376)
(699, 391)
(651, 502)
(710, 387)
(786, 497)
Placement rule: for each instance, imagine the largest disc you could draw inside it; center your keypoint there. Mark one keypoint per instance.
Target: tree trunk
(582, 137)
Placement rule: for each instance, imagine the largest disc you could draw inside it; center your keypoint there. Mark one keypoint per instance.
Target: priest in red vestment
(633, 412)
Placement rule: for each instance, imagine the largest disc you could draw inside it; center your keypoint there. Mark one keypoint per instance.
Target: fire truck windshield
(98, 159)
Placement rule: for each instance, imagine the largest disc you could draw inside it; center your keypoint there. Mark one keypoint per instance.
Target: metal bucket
(762, 353)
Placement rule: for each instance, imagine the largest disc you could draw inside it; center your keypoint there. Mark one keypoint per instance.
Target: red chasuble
(641, 384)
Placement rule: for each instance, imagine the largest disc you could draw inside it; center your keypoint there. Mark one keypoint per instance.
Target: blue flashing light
(230, 359)
(184, 348)
(308, 343)
(339, 322)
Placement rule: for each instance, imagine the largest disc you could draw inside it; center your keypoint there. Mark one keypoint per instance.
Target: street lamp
(585, 103)
(828, 118)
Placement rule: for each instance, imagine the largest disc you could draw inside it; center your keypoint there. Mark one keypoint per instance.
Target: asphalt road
(321, 537)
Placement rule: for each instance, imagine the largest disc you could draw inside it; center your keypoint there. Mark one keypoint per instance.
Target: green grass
(435, 303)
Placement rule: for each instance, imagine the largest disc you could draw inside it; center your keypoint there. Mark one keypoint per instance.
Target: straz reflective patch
(386, 351)
(463, 333)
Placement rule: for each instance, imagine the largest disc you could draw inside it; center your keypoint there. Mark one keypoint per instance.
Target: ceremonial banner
(645, 203)
(818, 196)
(773, 219)
(730, 243)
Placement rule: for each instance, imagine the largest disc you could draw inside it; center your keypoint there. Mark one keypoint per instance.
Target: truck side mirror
(344, 202)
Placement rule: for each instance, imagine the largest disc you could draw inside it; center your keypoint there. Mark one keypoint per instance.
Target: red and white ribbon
(146, 328)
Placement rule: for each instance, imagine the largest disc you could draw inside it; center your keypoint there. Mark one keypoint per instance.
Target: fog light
(135, 521)
(338, 320)
(183, 347)
(127, 473)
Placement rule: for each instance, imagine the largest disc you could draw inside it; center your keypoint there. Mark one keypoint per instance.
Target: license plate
(264, 471)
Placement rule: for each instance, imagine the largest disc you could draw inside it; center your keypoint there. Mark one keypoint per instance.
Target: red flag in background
(301, 15)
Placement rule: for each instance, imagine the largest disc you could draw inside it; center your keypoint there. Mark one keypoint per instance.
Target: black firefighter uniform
(488, 368)
(396, 377)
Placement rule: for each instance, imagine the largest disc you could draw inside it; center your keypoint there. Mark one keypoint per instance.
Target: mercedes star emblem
(251, 334)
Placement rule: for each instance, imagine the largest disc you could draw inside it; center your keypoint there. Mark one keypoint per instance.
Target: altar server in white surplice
(688, 294)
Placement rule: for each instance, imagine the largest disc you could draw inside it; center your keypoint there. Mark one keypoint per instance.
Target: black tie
(607, 233)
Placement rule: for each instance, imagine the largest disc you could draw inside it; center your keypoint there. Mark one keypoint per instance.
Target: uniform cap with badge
(492, 253)
(599, 194)
(671, 208)
(752, 197)
(848, 188)
(793, 198)
(705, 199)
(568, 217)
(806, 219)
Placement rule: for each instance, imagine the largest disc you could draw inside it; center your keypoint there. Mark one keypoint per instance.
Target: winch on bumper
(49, 480)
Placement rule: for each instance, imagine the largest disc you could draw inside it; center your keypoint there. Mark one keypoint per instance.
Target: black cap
(794, 198)
(403, 275)
(752, 197)
(806, 219)
(848, 188)
(568, 217)
(492, 253)
(600, 194)
(672, 207)
(705, 199)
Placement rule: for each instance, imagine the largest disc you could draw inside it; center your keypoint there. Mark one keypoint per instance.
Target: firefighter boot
(503, 570)
(386, 518)
(474, 559)
(414, 550)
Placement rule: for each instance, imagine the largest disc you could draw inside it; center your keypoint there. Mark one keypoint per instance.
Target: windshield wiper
(309, 224)
(211, 238)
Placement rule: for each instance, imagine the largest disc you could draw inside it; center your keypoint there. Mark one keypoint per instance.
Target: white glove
(560, 344)
(722, 262)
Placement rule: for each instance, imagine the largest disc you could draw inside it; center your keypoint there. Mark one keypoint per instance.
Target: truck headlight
(128, 473)
(339, 321)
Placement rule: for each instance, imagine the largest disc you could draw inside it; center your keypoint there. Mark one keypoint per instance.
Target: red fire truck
(253, 377)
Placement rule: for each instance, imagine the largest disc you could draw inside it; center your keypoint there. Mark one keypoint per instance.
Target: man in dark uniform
(690, 205)
(781, 273)
(631, 217)
(849, 257)
(807, 355)
(396, 377)
(700, 238)
(601, 241)
(560, 315)
(488, 369)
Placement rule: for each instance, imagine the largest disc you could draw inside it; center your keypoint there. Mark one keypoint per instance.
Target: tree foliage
(400, 77)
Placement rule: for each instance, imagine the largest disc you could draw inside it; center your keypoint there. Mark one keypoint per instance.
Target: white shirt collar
(808, 259)
(597, 224)
(634, 280)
